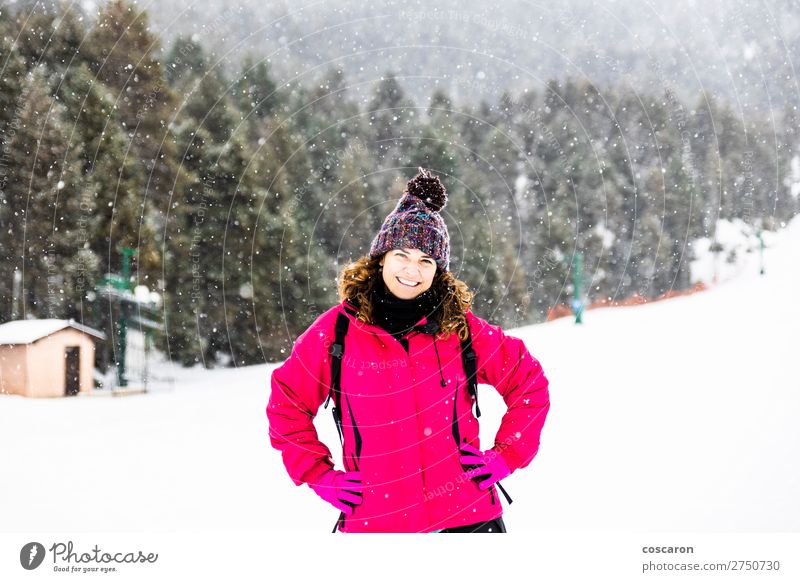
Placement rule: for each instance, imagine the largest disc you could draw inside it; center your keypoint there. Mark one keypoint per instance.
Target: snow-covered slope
(680, 415)
(735, 239)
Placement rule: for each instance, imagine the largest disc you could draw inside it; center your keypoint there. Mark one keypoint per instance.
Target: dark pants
(493, 526)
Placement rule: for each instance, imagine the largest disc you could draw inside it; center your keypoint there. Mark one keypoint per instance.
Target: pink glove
(486, 468)
(340, 489)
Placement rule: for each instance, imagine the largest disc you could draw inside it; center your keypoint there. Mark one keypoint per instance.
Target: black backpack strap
(339, 522)
(468, 359)
(508, 497)
(337, 354)
(456, 433)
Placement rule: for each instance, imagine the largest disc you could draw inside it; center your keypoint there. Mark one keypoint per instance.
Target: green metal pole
(578, 283)
(127, 253)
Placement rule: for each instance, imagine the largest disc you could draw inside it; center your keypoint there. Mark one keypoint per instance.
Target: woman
(412, 460)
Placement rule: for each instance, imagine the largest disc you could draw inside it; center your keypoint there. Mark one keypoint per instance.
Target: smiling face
(407, 272)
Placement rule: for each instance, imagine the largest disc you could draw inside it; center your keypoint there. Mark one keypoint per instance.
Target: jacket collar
(352, 312)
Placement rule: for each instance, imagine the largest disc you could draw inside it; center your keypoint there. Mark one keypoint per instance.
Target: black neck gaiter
(396, 315)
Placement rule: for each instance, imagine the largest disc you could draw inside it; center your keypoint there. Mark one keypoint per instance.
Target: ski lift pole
(577, 299)
(761, 251)
(127, 253)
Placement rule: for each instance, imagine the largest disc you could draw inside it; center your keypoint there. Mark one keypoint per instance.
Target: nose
(413, 270)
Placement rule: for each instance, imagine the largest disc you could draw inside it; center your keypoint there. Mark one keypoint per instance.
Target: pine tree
(10, 108)
(11, 77)
(256, 91)
(275, 253)
(193, 247)
(334, 138)
(681, 222)
(185, 58)
(226, 262)
(112, 199)
(11, 82)
(435, 149)
(209, 106)
(42, 193)
(392, 119)
(38, 38)
(354, 215)
(121, 51)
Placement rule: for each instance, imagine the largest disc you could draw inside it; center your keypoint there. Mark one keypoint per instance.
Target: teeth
(408, 283)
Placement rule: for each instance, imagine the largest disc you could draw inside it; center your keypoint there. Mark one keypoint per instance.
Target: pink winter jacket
(395, 409)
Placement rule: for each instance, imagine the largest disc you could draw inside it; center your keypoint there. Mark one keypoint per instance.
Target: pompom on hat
(416, 223)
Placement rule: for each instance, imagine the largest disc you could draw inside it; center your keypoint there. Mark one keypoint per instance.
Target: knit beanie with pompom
(415, 222)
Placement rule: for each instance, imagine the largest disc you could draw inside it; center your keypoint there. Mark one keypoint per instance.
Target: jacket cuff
(509, 456)
(314, 473)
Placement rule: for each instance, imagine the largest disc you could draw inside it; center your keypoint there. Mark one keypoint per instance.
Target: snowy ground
(736, 239)
(676, 416)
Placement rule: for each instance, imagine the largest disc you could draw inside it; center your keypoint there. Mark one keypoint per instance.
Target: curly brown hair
(358, 280)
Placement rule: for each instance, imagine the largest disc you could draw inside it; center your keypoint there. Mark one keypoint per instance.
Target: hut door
(73, 357)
